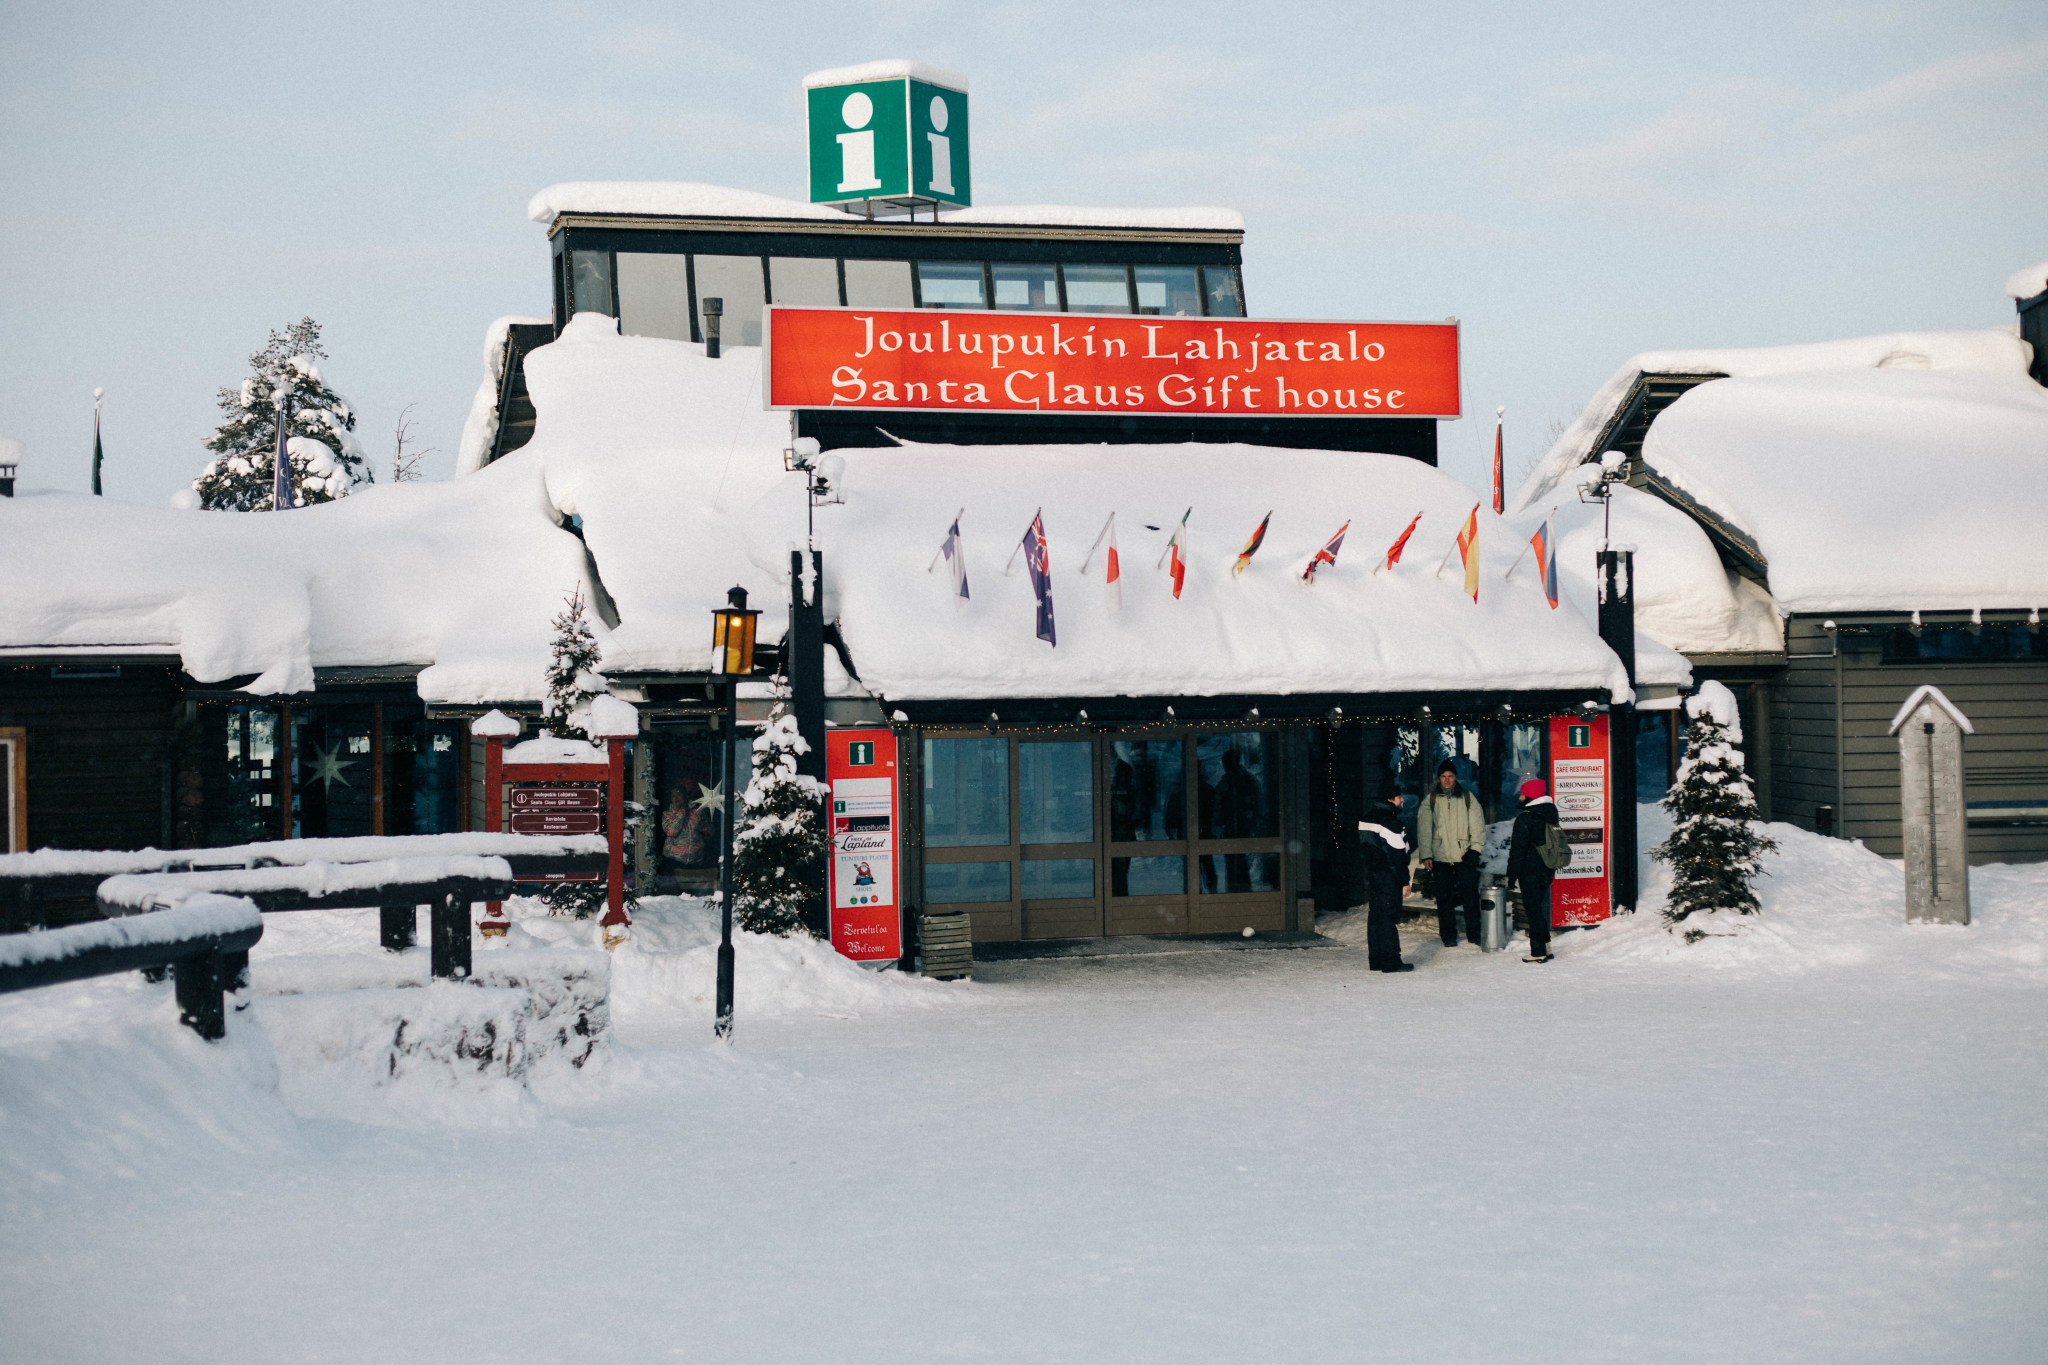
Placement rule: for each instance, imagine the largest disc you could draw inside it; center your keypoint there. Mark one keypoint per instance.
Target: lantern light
(732, 636)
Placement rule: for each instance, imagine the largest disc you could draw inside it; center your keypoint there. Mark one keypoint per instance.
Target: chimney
(2029, 290)
(11, 452)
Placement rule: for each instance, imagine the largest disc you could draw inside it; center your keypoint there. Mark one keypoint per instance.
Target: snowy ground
(1822, 1139)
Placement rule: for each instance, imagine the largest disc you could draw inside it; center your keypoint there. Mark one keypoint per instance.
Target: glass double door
(1057, 836)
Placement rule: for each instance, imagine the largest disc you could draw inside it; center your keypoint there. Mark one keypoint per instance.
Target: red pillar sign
(1579, 774)
(860, 768)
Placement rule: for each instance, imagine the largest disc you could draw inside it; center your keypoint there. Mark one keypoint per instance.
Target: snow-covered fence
(202, 937)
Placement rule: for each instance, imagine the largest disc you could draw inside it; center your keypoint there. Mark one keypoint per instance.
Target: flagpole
(96, 456)
(1454, 545)
(1099, 537)
(1525, 550)
(942, 544)
(1012, 562)
(1172, 538)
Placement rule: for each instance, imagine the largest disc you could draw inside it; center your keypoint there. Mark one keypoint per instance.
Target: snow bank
(192, 915)
(889, 68)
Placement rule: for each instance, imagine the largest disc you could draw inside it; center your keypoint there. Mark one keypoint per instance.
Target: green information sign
(884, 133)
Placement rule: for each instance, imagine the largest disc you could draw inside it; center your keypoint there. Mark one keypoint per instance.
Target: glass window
(1056, 793)
(1021, 287)
(1051, 879)
(690, 790)
(1653, 755)
(654, 295)
(1997, 640)
(436, 775)
(1169, 290)
(878, 284)
(808, 280)
(1147, 795)
(966, 883)
(1226, 874)
(1521, 759)
(590, 281)
(950, 284)
(1097, 289)
(1148, 876)
(1219, 291)
(1236, 798)
(967, 793)
(736, 280)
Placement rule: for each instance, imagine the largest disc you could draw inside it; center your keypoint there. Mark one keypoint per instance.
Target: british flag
(1326, 555)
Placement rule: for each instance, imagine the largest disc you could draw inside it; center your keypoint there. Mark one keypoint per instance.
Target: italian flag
(1176, 549)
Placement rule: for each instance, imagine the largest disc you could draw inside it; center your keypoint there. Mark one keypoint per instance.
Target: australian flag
(281, 479)
(1040, 565)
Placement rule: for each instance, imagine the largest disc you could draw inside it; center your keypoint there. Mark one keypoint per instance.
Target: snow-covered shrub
(326, 460)
(573, 680)
(779, 846)
(1715, 846)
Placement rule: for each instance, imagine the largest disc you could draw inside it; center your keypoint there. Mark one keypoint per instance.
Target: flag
(1468, 551)
(97, 453)
(1499, 492)
(1544, 543)
(1394, 550)
(1176, 551)
(1039, 563)
(1251, 547)
(281, 476)
(956, 561)
(1112, 582)
(1326, 555)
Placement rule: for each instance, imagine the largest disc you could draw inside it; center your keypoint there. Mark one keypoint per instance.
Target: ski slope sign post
(1578, 784)
(866, 917)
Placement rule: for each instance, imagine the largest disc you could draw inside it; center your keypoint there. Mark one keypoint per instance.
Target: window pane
(1220, 287)
(1051, 879)
(1653, 755)
(878, 284)
(737, 280)
(590, 281)
(1147, 798)
(1170, 290)
(811, 280)
(1055, 793)
(1521, 759)
(950, 284)
(1224, 874)
(1097, 289)
(1026, 286)
(966, 883)
(1148, 876)
(654, 295)
(1237, 794)
(966, 793)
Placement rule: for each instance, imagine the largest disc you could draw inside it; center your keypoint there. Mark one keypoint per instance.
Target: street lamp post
(732, 657)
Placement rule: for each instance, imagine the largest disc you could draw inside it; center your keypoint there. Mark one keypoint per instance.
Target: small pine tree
(780, 845)
(325, 463)
(1715, 847)
(573, 679)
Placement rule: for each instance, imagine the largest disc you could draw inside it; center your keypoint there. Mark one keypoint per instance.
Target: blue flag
(281, 479)
(956, 561)
(1040, 565)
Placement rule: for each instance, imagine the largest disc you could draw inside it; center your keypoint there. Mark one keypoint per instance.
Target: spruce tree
(780, 843)
(240, 477)
(1715, 847)
(572, 680)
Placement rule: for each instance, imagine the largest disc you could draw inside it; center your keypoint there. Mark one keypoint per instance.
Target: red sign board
(1579, 778)
(558, 810)
(975, 361)
(860, 768)
(557, 822)
(556, 798)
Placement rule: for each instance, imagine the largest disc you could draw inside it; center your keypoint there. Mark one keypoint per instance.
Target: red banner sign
(860, 767)
(975, 361)
(1579, 775)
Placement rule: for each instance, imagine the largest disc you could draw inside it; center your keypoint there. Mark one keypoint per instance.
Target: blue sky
(1576, 183)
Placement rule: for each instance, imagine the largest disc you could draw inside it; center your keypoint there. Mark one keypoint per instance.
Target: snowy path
(1229, 1157)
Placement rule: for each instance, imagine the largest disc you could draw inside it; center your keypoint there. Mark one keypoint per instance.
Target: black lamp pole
(722, 1027)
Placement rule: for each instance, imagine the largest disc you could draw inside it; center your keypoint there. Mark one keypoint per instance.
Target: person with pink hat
(1530, 851)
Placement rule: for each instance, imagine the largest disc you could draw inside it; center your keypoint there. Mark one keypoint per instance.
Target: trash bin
(948, 945)
(1495, 927)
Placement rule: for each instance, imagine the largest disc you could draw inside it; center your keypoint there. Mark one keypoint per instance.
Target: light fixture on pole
(732, 657)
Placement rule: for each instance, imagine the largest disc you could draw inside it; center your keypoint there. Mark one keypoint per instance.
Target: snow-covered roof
(888, 69)
(2024, 284)
(1895, 472)
(688, 199)
(1932, 696)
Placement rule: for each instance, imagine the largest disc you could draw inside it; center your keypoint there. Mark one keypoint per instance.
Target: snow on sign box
(860, 766)
(1034, 362)
(1578, 784)
(888, 130)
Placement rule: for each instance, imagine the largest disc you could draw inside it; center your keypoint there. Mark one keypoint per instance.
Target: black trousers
(1536, 909)
(1382, 936)
(1457, 884)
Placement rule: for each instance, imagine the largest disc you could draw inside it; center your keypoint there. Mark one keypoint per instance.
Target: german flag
(1251, 547)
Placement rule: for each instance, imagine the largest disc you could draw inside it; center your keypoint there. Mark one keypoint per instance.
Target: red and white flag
(1326, 555)
(1175, 557)
(1112, 573)
(1499, 488)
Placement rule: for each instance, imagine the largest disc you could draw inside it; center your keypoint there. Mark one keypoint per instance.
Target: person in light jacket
(1528, 870)
(1383, 854)
(1450, 833)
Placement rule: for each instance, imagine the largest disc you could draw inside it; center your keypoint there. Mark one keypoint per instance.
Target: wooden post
(451, 937)
(377, 769)
(283, 755)
(615, 864)
(494, 809)
(198, 985)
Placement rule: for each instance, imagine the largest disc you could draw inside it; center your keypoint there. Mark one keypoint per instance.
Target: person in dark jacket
(1526, 867)
(1383, 853)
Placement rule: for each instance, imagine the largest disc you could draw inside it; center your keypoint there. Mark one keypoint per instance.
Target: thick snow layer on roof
(667, 199)
(1896, 472)
(1264, 632)
(2024, 284)
(888, 69)
(481, 428)
(1068, 215)
(460, 577)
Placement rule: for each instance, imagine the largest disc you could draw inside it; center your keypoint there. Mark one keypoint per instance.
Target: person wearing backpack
(1535, 851)
(1383, 860)
(1450, 834)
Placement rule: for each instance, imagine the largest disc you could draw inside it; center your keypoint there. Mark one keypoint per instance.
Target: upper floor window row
(660, 294)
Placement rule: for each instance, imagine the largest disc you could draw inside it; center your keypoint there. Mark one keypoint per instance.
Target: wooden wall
(101, 754)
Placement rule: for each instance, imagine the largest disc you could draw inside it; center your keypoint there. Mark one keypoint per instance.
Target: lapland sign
(975, 361)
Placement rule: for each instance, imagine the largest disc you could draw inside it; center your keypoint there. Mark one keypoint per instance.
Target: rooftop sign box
(888, 130)
(985, 361)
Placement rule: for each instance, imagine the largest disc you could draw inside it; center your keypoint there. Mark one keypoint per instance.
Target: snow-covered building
(1827, 527)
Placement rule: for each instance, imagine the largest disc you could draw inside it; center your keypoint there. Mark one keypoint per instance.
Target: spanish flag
(1251, 547)
(1468, 550)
